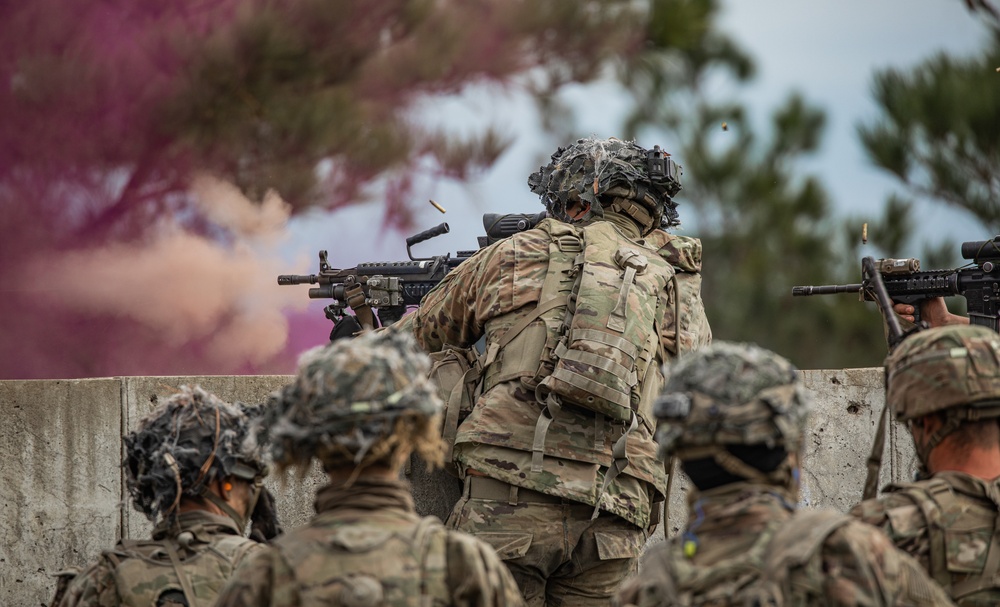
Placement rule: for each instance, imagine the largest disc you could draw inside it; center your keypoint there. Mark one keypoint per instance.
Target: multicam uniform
(361, 407)
(951, 521)
(811, 558)
(948, 523)
(365, 533)
(735, 416)
(578, 313)
(207, 549)
(189, 442)
(488, 294)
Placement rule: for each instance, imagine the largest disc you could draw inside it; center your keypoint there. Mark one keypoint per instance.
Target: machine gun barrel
(297, 279)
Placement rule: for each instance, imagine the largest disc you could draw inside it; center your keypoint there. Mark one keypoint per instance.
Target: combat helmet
(611, 174)
(953, 370)
(189, 440)
(727, 395)
(357, 402)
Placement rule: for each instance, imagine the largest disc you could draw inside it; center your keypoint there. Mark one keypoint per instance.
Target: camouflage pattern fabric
(735, 534)
(367, 547)
(496, 288)
(731, 394)
(209, 548)
(948, 523)
(355, 402)
(556, 553)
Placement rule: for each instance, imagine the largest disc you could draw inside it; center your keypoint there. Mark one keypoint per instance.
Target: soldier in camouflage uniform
(568, 494)
(190, 470)
(735, 414)
(945, 384)
(361, 407)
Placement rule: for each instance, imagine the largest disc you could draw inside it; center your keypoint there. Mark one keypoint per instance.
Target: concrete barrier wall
(62, 497)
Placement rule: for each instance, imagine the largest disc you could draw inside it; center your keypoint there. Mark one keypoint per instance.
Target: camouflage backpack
(380, 561)
(963, 550)
(759, 577)
(189, 570)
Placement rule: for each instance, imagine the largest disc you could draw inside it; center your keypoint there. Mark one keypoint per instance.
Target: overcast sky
(828, 51)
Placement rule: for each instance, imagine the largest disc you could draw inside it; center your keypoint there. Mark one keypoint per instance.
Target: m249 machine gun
(389, 288)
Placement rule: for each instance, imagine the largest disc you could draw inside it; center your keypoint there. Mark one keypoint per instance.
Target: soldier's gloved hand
(345, 328)
(264, 519)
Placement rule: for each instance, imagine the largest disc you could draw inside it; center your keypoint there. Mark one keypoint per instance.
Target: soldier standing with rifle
(360, 407)
(944, 383)
(558, 458)
(189, 469)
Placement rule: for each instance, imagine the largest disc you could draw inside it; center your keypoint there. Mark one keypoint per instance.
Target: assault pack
(592, 339)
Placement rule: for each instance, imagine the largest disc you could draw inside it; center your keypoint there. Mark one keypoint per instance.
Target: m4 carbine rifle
(978, 282)
(390, 287)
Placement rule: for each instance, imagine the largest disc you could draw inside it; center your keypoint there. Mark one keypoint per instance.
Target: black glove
(347, 327)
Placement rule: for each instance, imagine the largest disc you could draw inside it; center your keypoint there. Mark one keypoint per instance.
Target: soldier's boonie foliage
(945, 368)
(598, 170)
(348, 399)
(731, 394)
(190, 439)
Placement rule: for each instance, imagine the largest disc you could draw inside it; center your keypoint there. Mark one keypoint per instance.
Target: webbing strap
(938, 549)
(176, 562)
(616, 321)
(450, 429)
(355, 298)
(608, 393)
(618, 464)
(603, 337)
(421, 544)
(601, 362)
(545, 418)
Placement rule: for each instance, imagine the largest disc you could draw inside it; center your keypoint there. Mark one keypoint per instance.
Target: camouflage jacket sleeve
(860, 566)
(94, 587)
(262, 580)
(456, 310)
(901, 520)
(476, 575)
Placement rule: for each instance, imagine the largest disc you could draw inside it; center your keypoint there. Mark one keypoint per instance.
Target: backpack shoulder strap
(925, 497)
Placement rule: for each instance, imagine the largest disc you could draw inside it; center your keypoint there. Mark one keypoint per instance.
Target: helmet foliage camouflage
(730, 394)
(611, 174)
(954, 368)
(189, 440)
(357, 402)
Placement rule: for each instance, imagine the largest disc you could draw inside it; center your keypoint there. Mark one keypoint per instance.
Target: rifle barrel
(825, 290)
(297, 279)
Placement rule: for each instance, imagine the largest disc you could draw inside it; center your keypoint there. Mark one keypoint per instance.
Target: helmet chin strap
(256, 486)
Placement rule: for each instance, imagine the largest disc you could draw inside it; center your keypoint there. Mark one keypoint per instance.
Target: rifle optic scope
(982, 249)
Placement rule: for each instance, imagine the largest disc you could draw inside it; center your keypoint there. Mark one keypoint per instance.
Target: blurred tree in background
(765, 226)
(111, 112)
(939, 131)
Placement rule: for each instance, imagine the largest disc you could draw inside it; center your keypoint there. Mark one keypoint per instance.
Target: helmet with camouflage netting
(731, 395)
(191, 439)
(953, 369)
(358, 402)
(611, 174)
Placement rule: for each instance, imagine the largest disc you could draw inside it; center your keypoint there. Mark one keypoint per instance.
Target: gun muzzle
(825, 290)
(297, 279)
